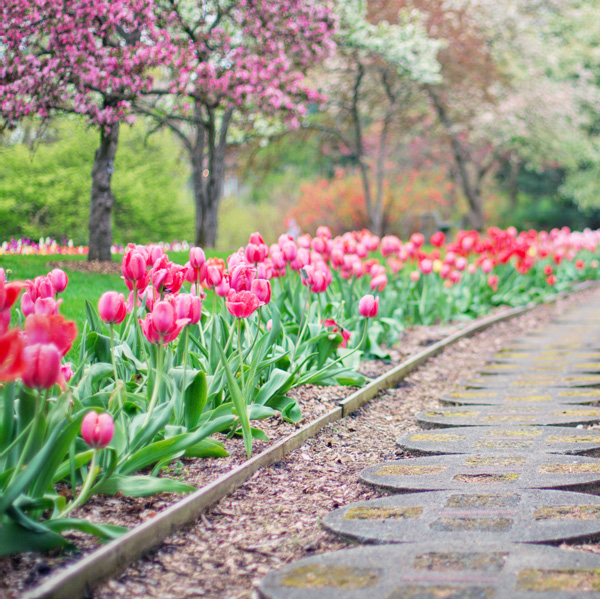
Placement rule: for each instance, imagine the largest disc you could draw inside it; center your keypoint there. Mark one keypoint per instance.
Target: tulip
(214, 275)
(27, 304)
(112, 308)
(256, 239)
(438, 239)
(579, 264)
(256, 252)
(241, 277)
(324, 232)
(97, 429)
(417, 239)
(58, 279)
(40, 287)
(12, 363)
(4, 321)
(460, 263)
(241, 304)
(162, 326)
(262, 289)
(368, 306)
(337, 328)
(197, 257)
(426, 266)
(188, 306)
(487, 266)
(492, 281)
(222, 289)
(42, 366)
(390, 245)
(67, 371)
(551, 280)
(415, 275)
(379, 282)
(53, 329)
(46, 305)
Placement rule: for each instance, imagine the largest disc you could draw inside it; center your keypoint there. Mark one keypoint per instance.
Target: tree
(91, 58)
(369, 84)
(235, 60)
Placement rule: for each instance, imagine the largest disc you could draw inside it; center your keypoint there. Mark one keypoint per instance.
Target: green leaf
(141, 486)
(16, 539)
(238, 402)
(195, 399)
(93, 320)
(292, 413)
(279, 383)
(81, 459)
(207, 448)
(102, 531)
(258, 412)
(171, 447)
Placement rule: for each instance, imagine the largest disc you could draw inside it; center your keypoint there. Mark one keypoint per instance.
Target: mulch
(89, 267)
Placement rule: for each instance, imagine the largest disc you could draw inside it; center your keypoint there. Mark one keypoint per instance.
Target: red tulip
(580, 264)
(166, 276)
(242, 304)
(112, 308)
(4, 321)
(417, 239)
(337, 328)
(51, 329)
(97, 429)
(438, 239)
(551, 280)
(548, 270)
(12, 363)
(42, 366)
(58, 279)
(262, 289)
(9, 292)
(368, 306)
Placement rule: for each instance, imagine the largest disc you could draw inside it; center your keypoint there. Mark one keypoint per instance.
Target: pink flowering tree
(239, 65)
(86, 57)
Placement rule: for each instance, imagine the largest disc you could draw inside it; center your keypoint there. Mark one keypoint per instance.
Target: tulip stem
(29, 442)
(255, 336)
(157, 382)
(185, 365)
(117, 390)
(304, 323)
(86, 488)
(239, 332)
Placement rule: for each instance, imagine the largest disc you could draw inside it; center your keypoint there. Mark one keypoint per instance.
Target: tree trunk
(513, 182)
(208, 177)
(102, 198)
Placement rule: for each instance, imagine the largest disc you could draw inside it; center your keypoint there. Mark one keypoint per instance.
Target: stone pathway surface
(501, 478)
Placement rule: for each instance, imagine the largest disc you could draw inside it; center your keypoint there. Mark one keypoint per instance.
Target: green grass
(82, 286)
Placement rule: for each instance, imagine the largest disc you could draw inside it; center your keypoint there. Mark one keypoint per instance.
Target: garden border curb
(78, 579)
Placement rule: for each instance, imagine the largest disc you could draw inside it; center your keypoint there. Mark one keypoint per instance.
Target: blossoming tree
(91, 58)
(235, 60)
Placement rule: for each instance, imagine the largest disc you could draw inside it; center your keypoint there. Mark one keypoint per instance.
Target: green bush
(46, 192)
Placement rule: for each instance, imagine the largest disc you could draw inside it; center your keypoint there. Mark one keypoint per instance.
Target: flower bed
(170, 373)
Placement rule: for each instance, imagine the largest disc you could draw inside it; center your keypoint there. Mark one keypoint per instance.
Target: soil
(95, 267)
(274, 517)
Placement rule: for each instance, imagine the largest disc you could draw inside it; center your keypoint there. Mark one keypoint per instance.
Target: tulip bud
(97, 429)
(368, 306)
(59, 279)
(426, 266)
(112, 308)
(188, 306)
(197, 257)
(262, 289)
(163, 317)
(415, 275)
(42, 370)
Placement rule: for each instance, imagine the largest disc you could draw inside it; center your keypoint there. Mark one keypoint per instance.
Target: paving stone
(439, 571)
(504, 440)
(519, 516)
(539, 381)
(515, 397)
(486, 473)
(556, 367)
(544, 357)
(524, 414)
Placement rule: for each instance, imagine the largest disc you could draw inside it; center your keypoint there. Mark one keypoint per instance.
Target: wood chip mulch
(274, 518)
(90, 267)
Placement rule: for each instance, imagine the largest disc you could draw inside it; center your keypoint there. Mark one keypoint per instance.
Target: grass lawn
(82, 286)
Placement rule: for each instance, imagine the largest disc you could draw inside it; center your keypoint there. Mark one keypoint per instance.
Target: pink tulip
(460, 263)
(487, 266)
(492, 281)
(214, 275)
(133, 266)
(324, 232)
(379, 282)
(390, 245)
(97, 429)
(188, 306)
(426, 266)
(112, 308)
(368, 306)
(256, 252)
(241, 277)
(262, 289)
(42, 369)
(417, 239)
(4, 321)
(222, 289)
(256, 239)
(162, 325)
(472, 269)
(59, 279)
(40, 287)
(197, 257)
(46, 305)
(415, 275)
(241, 304)
(67, 371)
(438, 239)
(27, 304)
